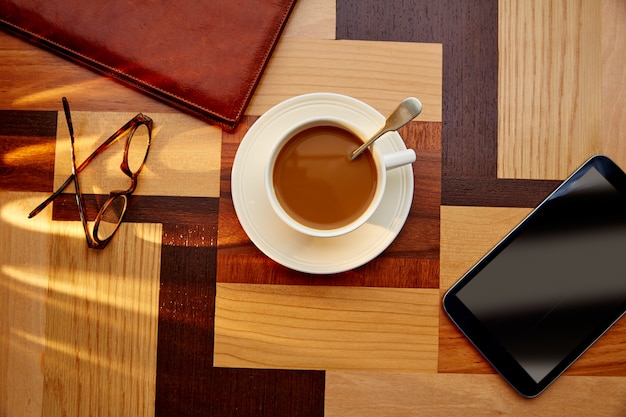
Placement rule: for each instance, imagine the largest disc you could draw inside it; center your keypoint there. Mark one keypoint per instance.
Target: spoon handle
(404, 113)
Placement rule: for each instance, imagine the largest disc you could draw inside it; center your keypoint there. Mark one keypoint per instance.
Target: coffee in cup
(315, 188)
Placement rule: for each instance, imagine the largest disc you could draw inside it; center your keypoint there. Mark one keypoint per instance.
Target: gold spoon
(403, 114)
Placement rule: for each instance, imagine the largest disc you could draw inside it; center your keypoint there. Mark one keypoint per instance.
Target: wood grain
(27, 141)
(101, 323)
(364, 394)
(468, 233)
(186, 305)
(495, 192)
(187, 383)
(303, 327)
(142, 209)
(255, 392)
(380, 74)
(613, 14)
(549, 100)
(311, 19)
(24, 272)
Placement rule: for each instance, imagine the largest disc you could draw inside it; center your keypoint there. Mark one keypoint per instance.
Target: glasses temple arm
(79, 195)
(49, 200)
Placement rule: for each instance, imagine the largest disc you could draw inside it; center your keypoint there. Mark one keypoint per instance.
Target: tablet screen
(559, 280)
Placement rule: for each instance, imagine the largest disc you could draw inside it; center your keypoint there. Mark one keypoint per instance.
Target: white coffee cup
(382, 162)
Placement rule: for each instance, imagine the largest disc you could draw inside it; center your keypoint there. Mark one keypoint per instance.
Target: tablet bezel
(478, 334)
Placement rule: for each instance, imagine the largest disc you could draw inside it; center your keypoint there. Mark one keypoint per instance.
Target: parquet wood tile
(205, 324)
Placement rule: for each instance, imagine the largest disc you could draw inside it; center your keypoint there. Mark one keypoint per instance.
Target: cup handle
(398, 159)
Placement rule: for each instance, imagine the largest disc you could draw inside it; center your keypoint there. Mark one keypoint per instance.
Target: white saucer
(280, 242)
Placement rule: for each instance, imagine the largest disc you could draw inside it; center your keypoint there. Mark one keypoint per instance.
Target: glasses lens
(110, 217)
(138, 148)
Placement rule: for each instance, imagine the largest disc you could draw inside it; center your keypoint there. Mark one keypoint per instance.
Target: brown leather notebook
(202, 56)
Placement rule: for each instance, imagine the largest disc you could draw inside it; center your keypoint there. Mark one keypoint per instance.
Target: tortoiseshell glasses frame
(138, 133)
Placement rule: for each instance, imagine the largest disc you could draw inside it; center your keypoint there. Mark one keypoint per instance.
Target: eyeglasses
(138, 134)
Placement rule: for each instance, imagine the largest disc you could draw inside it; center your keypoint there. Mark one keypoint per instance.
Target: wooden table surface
(182, 316)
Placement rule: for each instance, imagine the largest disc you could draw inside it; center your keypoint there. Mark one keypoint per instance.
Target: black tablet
(553, 285)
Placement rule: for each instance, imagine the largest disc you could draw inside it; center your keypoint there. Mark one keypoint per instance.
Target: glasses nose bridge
(126, 169)
(121, 187)
(133, 183)
(111, 180)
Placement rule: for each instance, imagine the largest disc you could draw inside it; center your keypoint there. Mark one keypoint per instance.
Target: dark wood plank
(28, 123)
(27, 146)
(279, 393)
(468, 31)
(186, 311)
(186, 382)
(144, 209)
(258, 392)
(381, 272)
(493, 192)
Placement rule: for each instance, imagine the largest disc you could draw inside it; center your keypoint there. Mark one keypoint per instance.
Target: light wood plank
(101, 328)
(184, 158)
(24, 272)
(303, 327)
(614, 79)
(363, 394)
(550, 87)
(468, 233)
(379, 73)
(312, 19)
